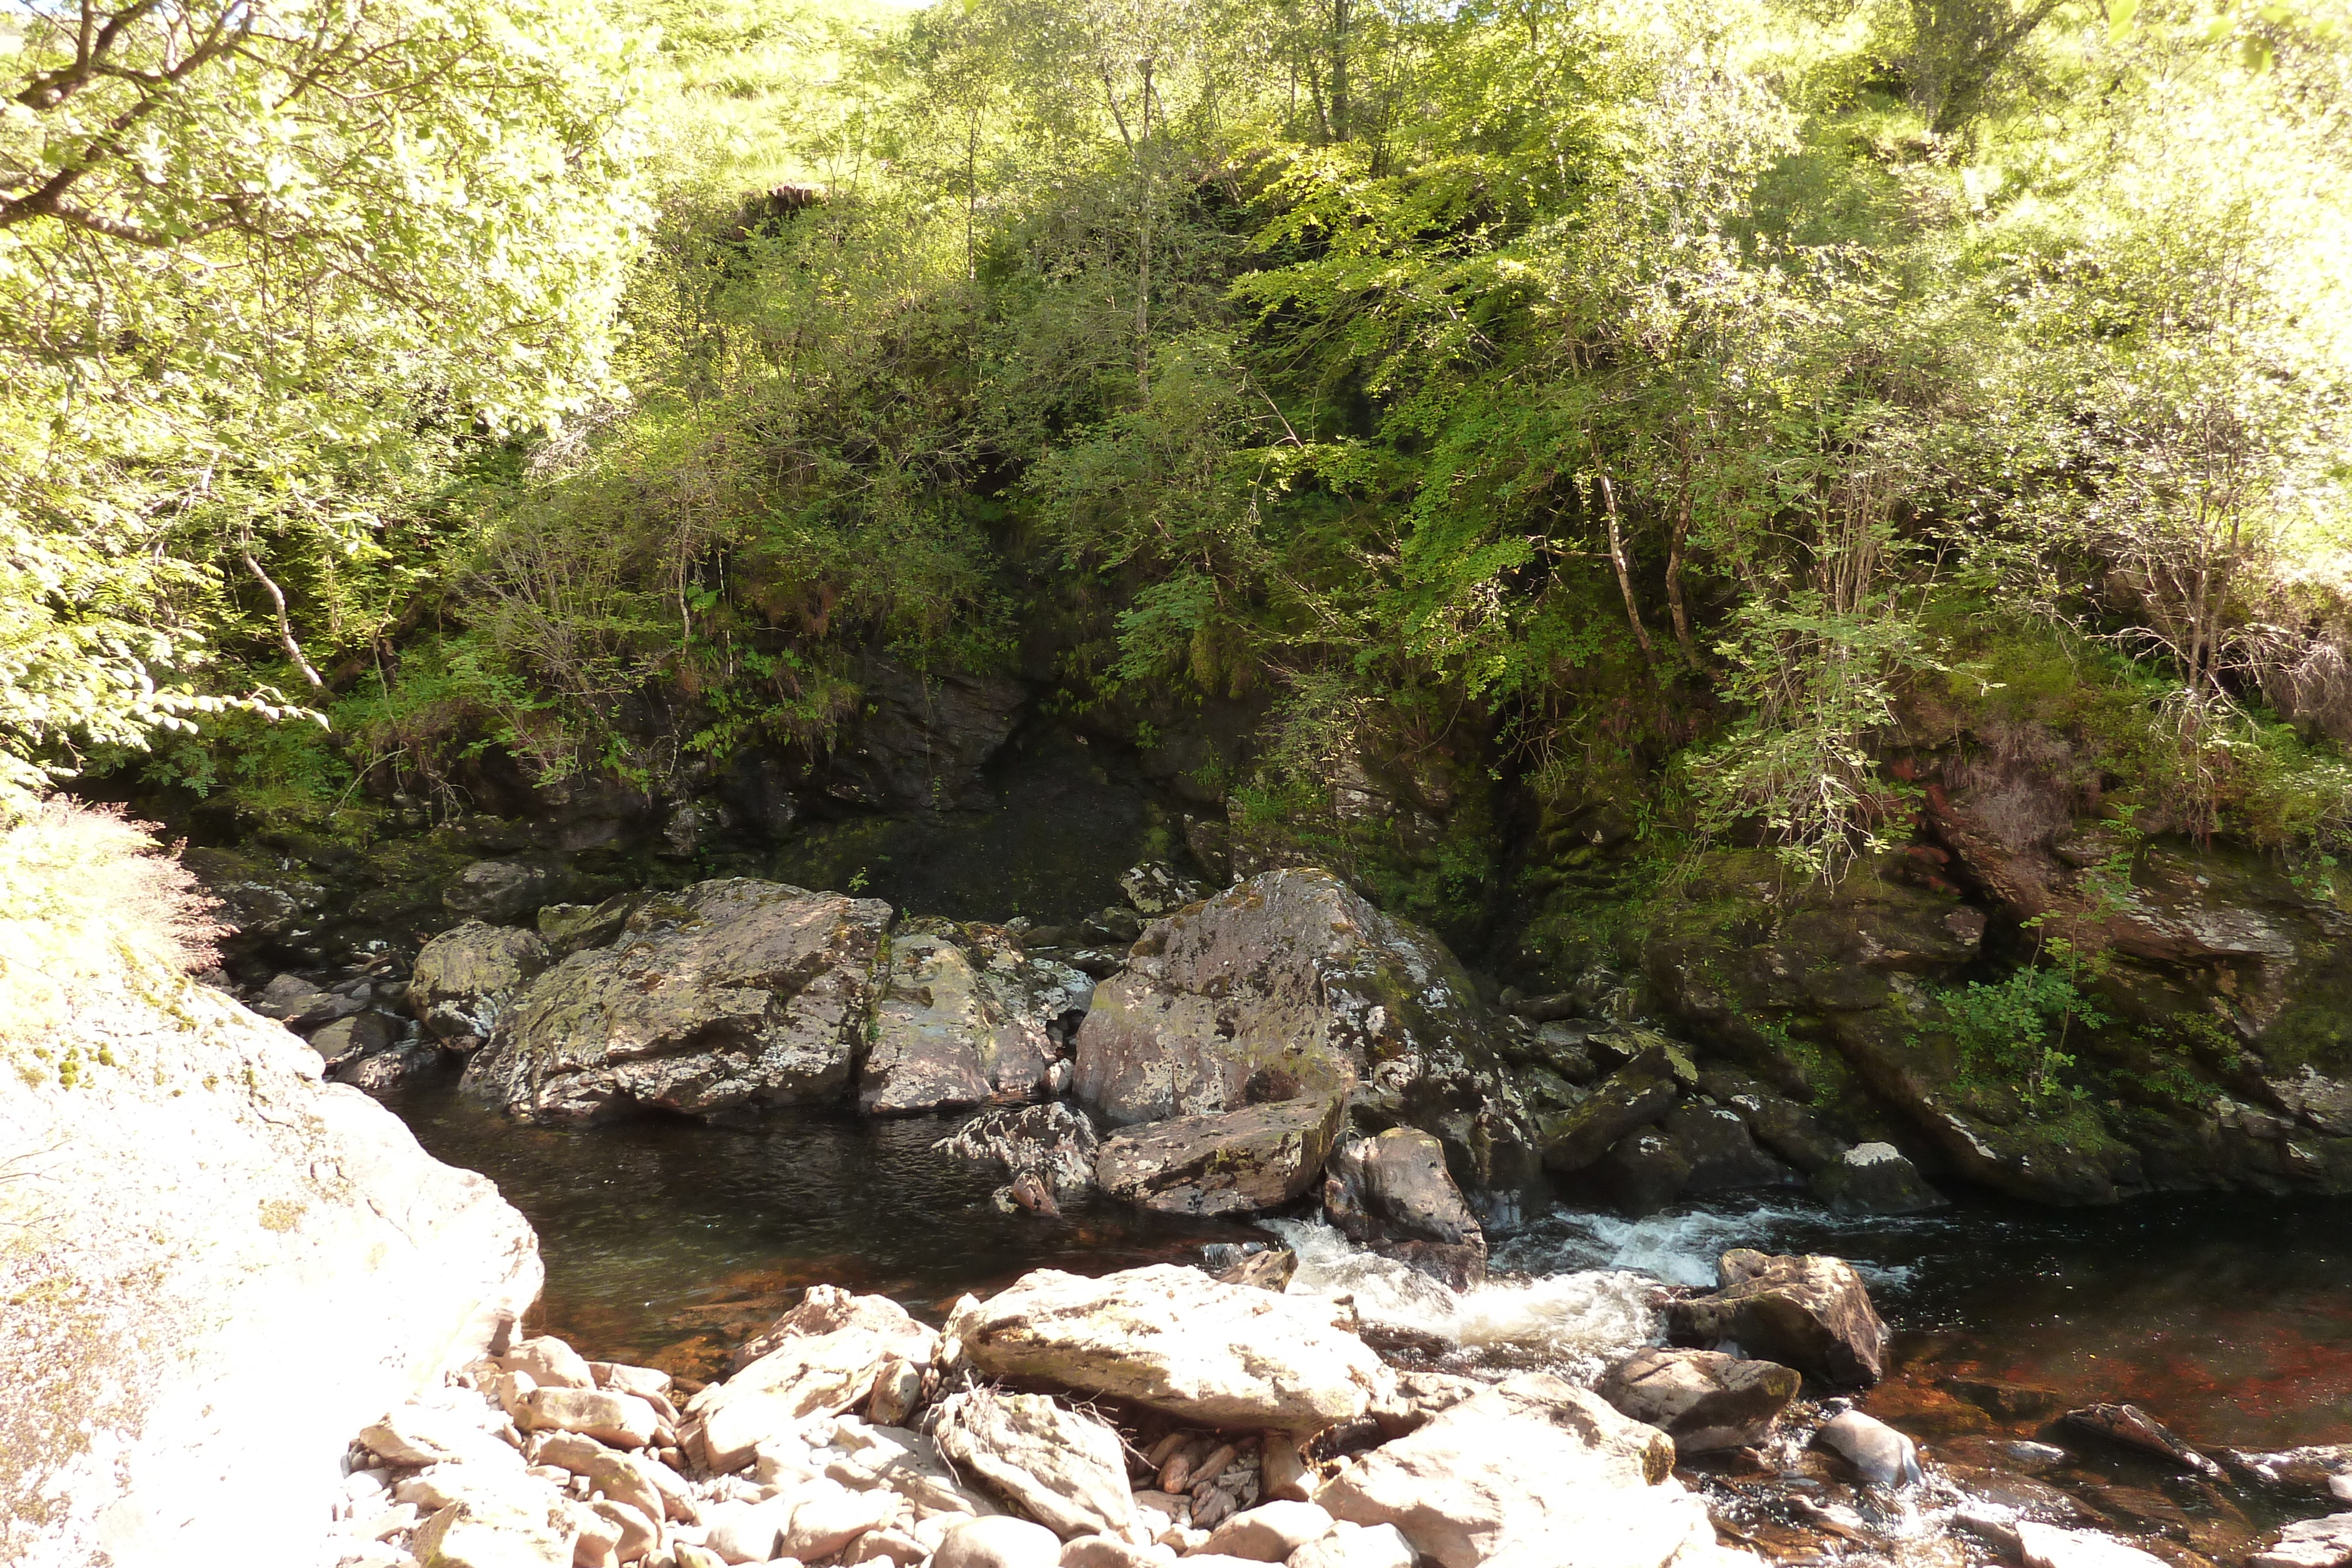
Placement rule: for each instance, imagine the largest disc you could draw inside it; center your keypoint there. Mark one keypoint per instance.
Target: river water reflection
(2230, 1317)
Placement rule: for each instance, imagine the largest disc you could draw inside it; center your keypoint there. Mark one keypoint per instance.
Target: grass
(88, 904)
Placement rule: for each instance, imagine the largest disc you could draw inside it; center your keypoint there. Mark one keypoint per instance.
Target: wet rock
(1525, 1466)
(1642, 1173)
(1875, 1178)
(824, 1355)
(1240, 1162)
(1271, 1269)
(1885, 1456)
(2134, 1428)
(1156, 888)
(466, 978)
(1625, 1101)
(503, 891)
(955, 1025)
(1062, 1468)
(388, 1068)
(731, 996)
(2311, 1469)
(1808, 1312)
(1777, 1122)
(303, 1006)
(1395, 1188)
(358, 1035)
(999, 1542)
(1722, 1157)
(2309, 1543)
(1177, 1341)
(1053, 1142)
(2048, 1546)
(2007, 1400)
(1703, 1399)
(1293, 970)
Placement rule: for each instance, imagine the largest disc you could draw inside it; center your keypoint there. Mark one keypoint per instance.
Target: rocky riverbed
(1177, 1079)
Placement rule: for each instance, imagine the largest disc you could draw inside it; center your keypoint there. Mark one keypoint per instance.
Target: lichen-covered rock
(502, 891)
(1177, 1341)
(733, 995)
(465, 978)
(1809, 1312)
(1628, 1100)
(1243, 1162)
(1293, 973)
(1054, 1142)
(219, 1269)
(964, 1019)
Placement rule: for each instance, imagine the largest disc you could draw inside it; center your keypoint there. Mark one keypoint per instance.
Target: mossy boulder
(1293, 974)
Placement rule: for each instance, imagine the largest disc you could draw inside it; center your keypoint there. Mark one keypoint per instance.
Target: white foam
(1682, 1248)
(1579, 1318)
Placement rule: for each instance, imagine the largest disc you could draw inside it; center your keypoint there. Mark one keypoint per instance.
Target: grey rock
(732, 995)
(1723, 1157)
(355, 1036)
(301, 1006)
(1241, 1162)
(1064, 1468)
(999, 1542)
(1056, 1141)
(920, 741)
(467, 977)
(567, 928)
(1625, 1101)
(389, 1068)
(1395, 1188)
(1155, 888)
(1294, 971)
(964, 1019)
(503, 891)
(1875, 1178)
(1809, 1312)
(1703, 1399)
(1885, 1456)
(1643, 1173)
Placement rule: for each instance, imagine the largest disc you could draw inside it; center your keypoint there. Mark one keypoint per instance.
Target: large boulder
(1703, 1399)
(466, 978)
(1629, 1101)
(1533, 1466)
(1875, 1178)
(1811, 1314)
(1393, 1194)
(1177, 1341)
(1292, 977)
(731, 996)
(218, 1268)
(1065, 1469)
(824, 1357)
(1241, 1162)
(502, 891)
(963, 1019)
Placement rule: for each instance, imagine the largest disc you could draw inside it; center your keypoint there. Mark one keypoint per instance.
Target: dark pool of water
(669, 1241)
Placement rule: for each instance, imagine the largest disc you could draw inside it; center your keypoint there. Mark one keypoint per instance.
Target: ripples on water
(2230, 1317)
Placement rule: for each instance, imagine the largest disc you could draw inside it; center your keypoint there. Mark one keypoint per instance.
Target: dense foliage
(1677, 398)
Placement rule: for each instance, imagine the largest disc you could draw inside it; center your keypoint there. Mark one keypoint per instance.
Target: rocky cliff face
(216, 1266)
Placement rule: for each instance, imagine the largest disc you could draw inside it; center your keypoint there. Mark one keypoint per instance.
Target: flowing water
(2231, 1317)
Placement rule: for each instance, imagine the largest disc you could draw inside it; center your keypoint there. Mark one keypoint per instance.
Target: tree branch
(284, 626)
